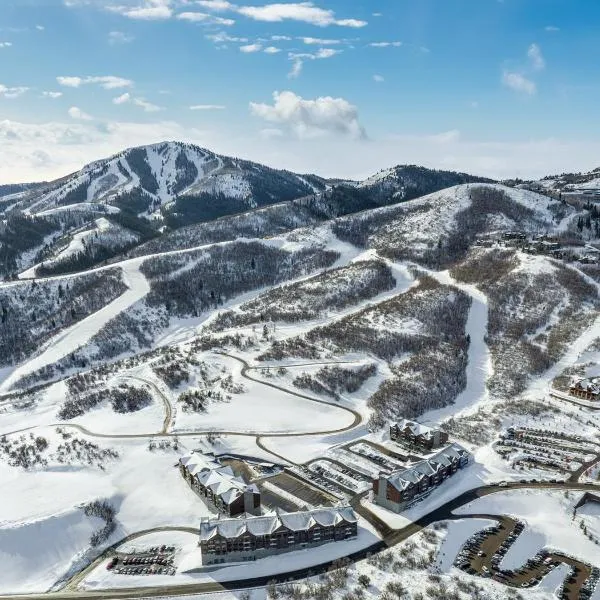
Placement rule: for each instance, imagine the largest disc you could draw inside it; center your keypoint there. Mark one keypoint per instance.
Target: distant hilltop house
(415, 434)
(586, 389)
(218, 484)
(398, 490)
(253, 537)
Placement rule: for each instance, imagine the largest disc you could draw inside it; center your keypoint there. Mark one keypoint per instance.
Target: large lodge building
(398, 490)
(586, 389)
(219, 485)
(252, 537)
(420, 436)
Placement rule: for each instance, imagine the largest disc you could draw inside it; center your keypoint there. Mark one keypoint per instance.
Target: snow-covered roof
(589, 385)
(218, 478)
(415, 428)
(264, 525)
(404, 478)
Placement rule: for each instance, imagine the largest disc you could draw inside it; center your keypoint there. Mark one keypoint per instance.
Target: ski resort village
(222, 379)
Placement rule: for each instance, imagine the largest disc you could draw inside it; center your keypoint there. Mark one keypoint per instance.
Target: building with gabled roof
(252, 537)
(399, 489)
(415, 434)
(586, 389)
(219, 485)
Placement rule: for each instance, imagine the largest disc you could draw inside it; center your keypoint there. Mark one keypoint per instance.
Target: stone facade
(419, 436)
(219, 486)
(398, 490)
(250, 538)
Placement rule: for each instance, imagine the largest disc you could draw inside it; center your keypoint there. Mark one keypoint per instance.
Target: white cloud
(250, 48)
(519, 83)
(281, 38)
(119, 37)
(122, 99)
(311, 118)
(272, 50)
(148, 10)
(534, 53)
(216, 5)
(194, 16)
(378, 78)
(385, 44)
(319, 41)
(298, 59)
(12, 92)
(552, 28)
(5, 44)
(108, 82)
(305, 12)
(71, 144)
(207, 107)
(78, 115)
(147, 106)
(40, 27)
(222, 38)
(52, 95)
(127, 98)
(296, 70)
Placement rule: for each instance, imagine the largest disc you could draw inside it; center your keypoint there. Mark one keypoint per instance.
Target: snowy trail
(479, 367)
(80, 333)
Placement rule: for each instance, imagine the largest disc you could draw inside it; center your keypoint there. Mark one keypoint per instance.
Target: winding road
(391, 537)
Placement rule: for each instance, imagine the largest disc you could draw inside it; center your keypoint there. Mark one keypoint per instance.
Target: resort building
(586, 389)
(414, 434)
(398, 490)
(252, 537)
(219, 485)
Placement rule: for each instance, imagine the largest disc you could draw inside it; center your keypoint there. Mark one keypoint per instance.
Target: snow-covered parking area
(548, 517)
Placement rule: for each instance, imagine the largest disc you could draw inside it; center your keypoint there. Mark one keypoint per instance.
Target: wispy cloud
(378, 78)
(385, 44)
(312, 41)
(12, 92)
(207, 107)
(207, 19)
(122, 99)
(251, 48)
(78, 115)
(298, 59)
(127, 98)
(534, 53)
(108, 82)
(119, 37)
(518, 83)
(52, 95)
(5, 44)
(552, 28)
(147, 10)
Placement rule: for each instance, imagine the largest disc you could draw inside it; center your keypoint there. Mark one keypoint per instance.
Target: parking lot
(157, 560)
(546, 450)
(483, 552)
(297, 487)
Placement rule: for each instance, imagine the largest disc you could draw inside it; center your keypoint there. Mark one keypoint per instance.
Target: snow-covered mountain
(405, 182)
(145, 179)
(573, 181)
(151, 190)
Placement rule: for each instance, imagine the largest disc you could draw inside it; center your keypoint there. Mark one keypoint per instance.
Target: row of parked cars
(157, 560)
(469, 550)
(320, 482)
(586, 590)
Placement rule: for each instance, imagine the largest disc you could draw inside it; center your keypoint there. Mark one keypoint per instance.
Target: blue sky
(337, 87)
